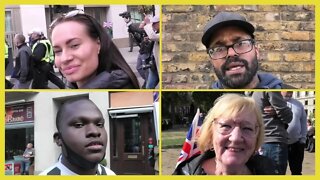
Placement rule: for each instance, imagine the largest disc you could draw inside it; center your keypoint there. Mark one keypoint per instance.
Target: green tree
(205, 100)
(171, 100)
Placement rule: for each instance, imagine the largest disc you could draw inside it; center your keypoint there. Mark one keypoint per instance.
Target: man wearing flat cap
(230, 43)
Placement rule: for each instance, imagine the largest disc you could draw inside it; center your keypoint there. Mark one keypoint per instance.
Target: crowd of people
(146, 36)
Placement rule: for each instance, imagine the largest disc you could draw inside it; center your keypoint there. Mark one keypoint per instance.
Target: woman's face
(76, 53)
(234, 139)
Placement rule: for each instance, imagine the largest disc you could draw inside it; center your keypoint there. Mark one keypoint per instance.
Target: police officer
(43, 60)
(8, 84)
(6, 54)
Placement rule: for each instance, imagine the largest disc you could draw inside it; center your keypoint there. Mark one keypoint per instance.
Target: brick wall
(285, 36)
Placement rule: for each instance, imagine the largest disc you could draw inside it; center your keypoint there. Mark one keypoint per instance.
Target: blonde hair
(229, 105)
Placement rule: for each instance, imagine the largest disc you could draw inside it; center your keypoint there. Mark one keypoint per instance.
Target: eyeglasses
(67, 15)
(240, 47)
(225, 127)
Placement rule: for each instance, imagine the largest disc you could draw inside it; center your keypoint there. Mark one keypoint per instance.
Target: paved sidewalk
(131, 58)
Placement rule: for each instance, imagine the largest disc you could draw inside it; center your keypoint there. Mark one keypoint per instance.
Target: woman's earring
(211, 149)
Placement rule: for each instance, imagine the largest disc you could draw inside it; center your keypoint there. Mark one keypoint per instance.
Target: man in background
(23, 66)
(297, 132)
(276, 116)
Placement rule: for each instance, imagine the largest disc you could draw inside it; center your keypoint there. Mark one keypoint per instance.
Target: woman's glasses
(225, 127)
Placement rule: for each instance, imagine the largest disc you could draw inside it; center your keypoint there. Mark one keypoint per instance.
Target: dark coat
(23, 68)
(258, 165)
(117, 79)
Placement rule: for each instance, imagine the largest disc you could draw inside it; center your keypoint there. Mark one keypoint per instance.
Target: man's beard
(237, 81)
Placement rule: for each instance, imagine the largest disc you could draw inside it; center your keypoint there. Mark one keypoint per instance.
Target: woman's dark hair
(109, 56)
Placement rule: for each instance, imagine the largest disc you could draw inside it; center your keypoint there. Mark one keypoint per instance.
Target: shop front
(19, 131)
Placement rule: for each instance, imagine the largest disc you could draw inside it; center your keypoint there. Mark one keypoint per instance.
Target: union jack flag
(190, 147)
(107, 24)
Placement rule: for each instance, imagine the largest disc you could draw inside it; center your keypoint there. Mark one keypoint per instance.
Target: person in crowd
(276, 116)
(86, 55)
(229, 39)
(6, 54)
(152, 31)
(8, 84)
(30, 41)
(27, 156)
(82, 136)
(43, 59)
(297, 133)
(229, 140)
(139, 35)
(23, 65)
(310, 144)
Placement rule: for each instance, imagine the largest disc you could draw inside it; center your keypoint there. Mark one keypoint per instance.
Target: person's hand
(302, 141)
(142, 24)
(146, 19)
(26, 155)
(269, 110)
(126, 20)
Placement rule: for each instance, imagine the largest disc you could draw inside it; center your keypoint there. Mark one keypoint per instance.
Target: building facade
(307, 98)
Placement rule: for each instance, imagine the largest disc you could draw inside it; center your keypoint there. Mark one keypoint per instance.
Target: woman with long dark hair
(86, 55)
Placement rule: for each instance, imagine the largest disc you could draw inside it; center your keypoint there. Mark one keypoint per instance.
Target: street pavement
(131, 58)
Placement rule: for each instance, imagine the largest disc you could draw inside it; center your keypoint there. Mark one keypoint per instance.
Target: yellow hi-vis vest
(49, 56)
(6, 53)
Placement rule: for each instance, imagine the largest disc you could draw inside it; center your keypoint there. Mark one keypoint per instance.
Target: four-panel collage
(162, 89)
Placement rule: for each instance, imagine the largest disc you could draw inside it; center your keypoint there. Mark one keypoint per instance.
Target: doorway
(130, 136)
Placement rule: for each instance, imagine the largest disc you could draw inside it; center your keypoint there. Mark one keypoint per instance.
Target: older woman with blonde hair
(229, 140)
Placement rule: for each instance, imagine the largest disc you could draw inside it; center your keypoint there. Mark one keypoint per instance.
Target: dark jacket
(275, 125)
(137, 33)
(258, 165)
(266, 81)
(23, 67)
(38, 53)
(117, 79)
